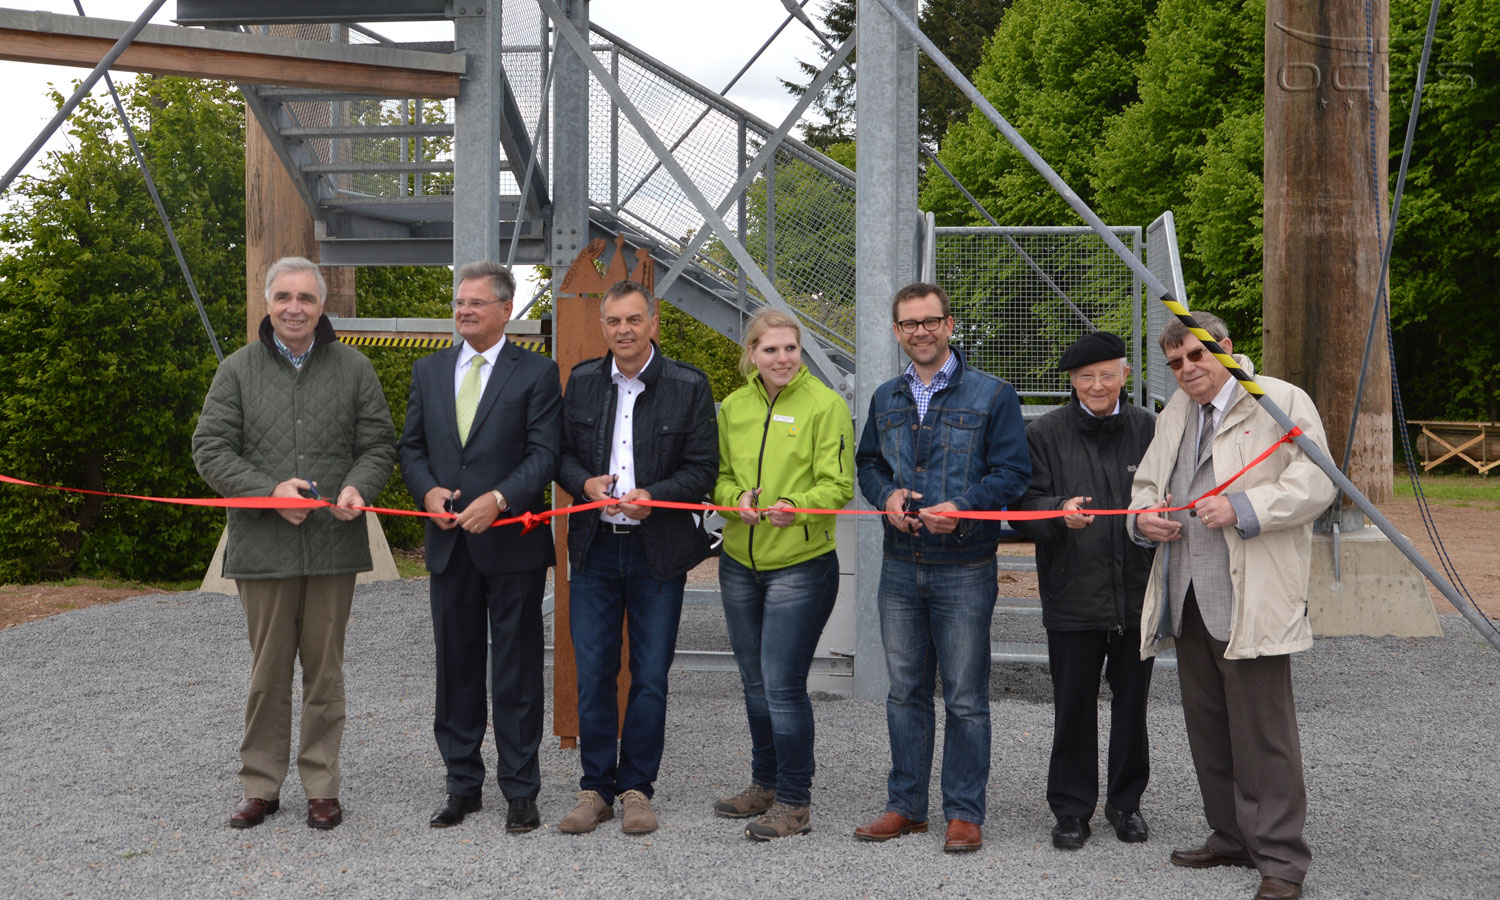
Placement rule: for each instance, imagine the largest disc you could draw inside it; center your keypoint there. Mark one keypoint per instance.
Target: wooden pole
(277, 222)
(1326, 139)
(575, 338)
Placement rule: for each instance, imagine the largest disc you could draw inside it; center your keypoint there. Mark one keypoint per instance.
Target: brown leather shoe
(889, 825)
(252, 811)
(324, 814)
(1204, 858)
(1278, 889)
(963, 837)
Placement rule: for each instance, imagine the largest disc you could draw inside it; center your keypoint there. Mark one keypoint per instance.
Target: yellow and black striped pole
(1246, 380)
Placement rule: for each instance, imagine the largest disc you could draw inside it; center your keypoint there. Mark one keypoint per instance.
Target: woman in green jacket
(786, 442)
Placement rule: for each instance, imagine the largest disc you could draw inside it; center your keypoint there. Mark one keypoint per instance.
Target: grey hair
(501, 281)
(1175, 332)
(295, 264)
(625, 288)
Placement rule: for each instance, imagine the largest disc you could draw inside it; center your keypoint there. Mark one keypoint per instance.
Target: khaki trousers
(287, 619)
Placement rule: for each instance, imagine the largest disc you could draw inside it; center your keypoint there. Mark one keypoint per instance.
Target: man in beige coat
(1229, 590)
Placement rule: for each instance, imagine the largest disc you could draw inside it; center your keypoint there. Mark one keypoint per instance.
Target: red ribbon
(529, 520)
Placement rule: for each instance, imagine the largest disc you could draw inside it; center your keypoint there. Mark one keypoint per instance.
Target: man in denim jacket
(941, 437)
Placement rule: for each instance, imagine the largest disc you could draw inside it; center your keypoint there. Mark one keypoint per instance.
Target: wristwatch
(500, 503)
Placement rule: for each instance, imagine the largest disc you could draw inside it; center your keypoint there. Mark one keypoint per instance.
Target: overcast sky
(708, 49)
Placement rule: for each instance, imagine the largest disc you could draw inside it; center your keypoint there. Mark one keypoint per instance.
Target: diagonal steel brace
(819, 360)
(761, 159)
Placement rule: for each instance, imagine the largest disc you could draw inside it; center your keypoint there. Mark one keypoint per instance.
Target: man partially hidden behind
(295, 413)
(481, 442)
(1092, 577)
(638, 426)
(941, 437)
(1229, 589)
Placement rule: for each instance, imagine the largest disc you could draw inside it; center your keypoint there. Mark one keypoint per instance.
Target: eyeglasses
(1193, 356)
(473, 304)
(1108, 379)
(931, 323)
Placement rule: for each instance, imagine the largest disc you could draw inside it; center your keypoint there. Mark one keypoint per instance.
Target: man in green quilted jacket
(295, 413)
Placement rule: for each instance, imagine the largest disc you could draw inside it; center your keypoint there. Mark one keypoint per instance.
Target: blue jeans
(936, 618)
(612, 584)
(775, 617)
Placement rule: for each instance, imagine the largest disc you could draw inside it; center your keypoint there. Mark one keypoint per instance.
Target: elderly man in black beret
(1093, 579)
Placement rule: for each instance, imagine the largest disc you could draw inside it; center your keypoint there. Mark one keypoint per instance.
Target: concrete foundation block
(1379, 590)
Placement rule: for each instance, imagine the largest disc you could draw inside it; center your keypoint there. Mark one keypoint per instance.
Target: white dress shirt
(622, 446)
(1221, 403)
(461, 368)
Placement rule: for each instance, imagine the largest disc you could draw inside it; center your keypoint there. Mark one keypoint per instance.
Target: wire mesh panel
(1165, 263)
(798, 210)
(1021, 295)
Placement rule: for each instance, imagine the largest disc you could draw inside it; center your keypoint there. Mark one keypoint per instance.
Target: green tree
(1056, 69)
(959, 27)
(1193, 143)
(1443, 285)
(106, 361)
(835, 105)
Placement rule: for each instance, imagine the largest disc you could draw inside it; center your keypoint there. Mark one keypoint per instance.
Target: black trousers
(467, 606)
(1075, 659)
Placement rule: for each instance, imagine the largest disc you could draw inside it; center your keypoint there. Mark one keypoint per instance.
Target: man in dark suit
(481, 441)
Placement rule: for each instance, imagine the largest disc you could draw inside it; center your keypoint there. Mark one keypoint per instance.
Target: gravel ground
(119, 728)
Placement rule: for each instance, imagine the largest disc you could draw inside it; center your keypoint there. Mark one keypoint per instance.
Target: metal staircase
(377, 175)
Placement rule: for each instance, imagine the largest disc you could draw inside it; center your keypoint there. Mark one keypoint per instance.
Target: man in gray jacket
(1229, 590)
(295, 413)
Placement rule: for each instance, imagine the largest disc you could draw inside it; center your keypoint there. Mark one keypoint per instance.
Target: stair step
(1017, 652)
(415, 129)
(1016, 563)
(358, 168)
(1018, 606)
(316, 95)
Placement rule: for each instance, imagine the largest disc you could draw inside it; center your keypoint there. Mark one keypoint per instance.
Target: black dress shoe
(523, 815)
(1129, 827)
(1069, 833)
(453, 810)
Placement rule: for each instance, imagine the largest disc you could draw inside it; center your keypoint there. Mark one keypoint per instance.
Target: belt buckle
(617, 528)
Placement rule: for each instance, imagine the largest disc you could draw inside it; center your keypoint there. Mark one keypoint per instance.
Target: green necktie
(468, 398)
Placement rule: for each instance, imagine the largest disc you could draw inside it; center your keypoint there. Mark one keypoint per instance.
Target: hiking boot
(780, 821)
(752, 801)
(636, 816)
(586, 816)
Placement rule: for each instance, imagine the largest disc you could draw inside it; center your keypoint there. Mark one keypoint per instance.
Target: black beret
(1096, 346)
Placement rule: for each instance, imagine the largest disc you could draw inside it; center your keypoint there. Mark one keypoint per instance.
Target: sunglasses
(1194, 356)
